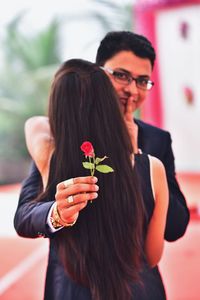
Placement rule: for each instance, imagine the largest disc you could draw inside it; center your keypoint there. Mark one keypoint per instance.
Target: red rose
(88, 149)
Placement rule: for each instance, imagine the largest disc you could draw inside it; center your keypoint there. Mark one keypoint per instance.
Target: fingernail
(96, 187)
(94, 179)
(95, 195)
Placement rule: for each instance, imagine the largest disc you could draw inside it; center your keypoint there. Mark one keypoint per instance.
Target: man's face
(137, 67)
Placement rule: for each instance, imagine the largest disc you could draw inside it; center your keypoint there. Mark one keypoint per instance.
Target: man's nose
(131, 87)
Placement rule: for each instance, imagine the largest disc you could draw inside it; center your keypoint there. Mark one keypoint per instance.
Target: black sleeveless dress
(60, 287)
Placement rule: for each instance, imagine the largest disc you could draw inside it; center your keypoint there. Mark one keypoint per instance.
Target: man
(128, 60)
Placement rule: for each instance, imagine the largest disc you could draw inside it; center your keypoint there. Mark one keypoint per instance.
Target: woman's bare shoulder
(38, 124)
(39, 140)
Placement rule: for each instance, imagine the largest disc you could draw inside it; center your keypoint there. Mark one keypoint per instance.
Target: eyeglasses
(126, 78)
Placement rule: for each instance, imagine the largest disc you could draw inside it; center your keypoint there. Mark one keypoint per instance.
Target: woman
(105, 249)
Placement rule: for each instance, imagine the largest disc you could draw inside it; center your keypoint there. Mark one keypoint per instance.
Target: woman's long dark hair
(103, 249)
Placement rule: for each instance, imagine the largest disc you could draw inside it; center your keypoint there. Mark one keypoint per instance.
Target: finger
(129, 110)
(72, 190)
(68, 182)
(78, 198)
(81, 188)
(86, 179)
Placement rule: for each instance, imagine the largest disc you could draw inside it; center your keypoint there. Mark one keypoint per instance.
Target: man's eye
(121, 75)
(142, 81)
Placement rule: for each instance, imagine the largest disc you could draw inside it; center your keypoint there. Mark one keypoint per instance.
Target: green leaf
(104, 169)
(99, 159)
(88, 165)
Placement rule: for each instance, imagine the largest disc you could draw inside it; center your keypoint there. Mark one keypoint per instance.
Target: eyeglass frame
(130, 78)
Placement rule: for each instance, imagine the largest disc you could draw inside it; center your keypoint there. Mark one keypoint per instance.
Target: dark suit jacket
(158, 143)
(30, 217)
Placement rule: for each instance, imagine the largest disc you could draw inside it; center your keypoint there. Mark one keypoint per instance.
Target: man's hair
(117, 41)
(107, 238)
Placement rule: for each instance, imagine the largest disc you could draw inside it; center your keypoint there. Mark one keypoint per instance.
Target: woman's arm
(155, 234)
(39, 143)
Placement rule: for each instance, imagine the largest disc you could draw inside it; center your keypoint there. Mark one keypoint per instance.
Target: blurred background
(35, 37)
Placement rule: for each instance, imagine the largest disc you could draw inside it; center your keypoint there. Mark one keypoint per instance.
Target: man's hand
(131, 126)
(72, 196)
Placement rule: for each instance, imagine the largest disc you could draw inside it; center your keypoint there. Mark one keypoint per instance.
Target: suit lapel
(141, 140)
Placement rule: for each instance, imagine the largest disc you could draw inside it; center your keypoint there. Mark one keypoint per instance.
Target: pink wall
(145, 12)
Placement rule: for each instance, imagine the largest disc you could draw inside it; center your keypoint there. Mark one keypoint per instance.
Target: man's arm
(31, 217)
(178, 213)
(158, 143)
